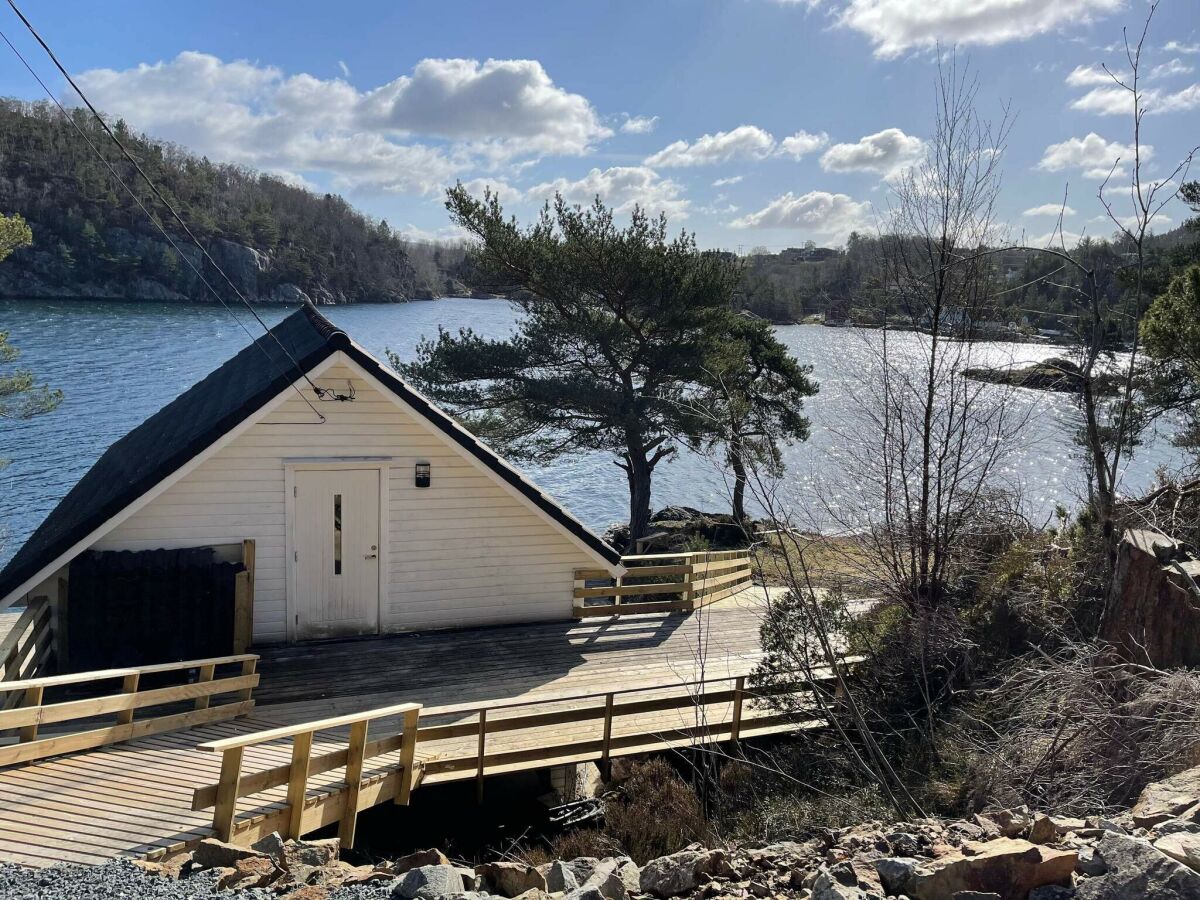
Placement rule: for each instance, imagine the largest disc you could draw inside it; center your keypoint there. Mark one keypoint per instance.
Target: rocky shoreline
(1152, 850)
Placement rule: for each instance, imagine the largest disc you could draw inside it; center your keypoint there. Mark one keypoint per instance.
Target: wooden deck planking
(133, 799)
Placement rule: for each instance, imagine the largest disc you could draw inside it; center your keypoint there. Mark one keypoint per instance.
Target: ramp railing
(662, 582)
(122, 693)
(332, 800)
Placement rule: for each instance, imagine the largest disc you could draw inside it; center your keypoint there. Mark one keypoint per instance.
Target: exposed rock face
(1152, 612)
(670, 876)
(1136, 869)
(1177, 796)
(1006, 866)
(427, 882)
(510, 879)
(214, 854)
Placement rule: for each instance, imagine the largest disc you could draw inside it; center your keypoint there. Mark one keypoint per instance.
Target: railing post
(482, 750)
(129, 685)
(739, 688)
(298, 783)
(606, 746)
(248, 668)
(354, 769)
(33, 697)
(408, 756)
(205, 676)
(227, 793)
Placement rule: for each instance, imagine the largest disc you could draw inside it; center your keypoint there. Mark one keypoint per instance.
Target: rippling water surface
(117, 363)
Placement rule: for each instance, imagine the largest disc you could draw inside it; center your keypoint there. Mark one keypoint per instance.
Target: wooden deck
(136, 798)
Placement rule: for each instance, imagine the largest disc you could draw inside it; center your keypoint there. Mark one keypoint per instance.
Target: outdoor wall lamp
(422, 479)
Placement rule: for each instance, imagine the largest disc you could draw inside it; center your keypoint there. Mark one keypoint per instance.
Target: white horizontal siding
(463, 551)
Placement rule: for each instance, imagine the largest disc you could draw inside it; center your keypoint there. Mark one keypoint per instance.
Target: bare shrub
(656, 813)
(1075, 732)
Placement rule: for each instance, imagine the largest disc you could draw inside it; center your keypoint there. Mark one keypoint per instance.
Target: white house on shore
(376, 514)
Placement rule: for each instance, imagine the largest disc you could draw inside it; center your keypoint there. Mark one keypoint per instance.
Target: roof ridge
(331, 333)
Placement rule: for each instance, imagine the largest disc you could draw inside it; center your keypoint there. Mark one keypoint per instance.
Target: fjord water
(119, 362)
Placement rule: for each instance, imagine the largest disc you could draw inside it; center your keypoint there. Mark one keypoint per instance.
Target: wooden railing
(341, 802)
(29, 645)
(33, 713)
(687, 580)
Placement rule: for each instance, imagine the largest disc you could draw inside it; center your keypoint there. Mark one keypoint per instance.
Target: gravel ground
(121, 879)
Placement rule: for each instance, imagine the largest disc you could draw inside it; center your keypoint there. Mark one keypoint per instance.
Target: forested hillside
(275, 240)
(845, 284)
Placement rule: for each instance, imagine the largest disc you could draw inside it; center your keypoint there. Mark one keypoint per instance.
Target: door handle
(370, 555)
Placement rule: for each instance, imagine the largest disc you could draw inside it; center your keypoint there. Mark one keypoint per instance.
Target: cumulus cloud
(1092, 155)
(885, 153)
(639, 124)
(413, 134)
(802, 143)
(732, 179)
(1084, 76)
(1116, 101)
(1171, 67)
(818, 213)
(1049, 209)
(622, 188)
(743, 142)
(1061, 238)
(1179, 47)
(896, 26)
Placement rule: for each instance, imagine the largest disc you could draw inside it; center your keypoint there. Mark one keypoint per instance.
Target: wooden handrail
(28, 644)
(34, 712)
(105, 674)
(702, 578)
(297, 818)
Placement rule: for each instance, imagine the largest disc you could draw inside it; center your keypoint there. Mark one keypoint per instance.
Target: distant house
(387, 516)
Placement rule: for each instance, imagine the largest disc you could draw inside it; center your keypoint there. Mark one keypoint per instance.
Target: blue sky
(751, 122)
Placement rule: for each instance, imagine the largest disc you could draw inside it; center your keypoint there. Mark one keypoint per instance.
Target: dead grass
(832, 562)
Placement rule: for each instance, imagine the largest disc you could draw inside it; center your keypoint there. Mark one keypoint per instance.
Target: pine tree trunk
(738, 465)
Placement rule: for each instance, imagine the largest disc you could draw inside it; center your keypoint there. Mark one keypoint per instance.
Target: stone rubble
(1013, 854)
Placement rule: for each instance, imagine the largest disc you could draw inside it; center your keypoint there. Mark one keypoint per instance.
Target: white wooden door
(336, 535)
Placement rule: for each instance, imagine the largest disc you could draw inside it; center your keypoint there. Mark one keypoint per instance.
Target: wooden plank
(32, 700)
(227, 792)
(204, 676)
(86, 740)
(298, 783)
(631, 590)
(104, 674)
(482, 757)
(630, 609)
(412, 721)
(274, 734)
(129, 685)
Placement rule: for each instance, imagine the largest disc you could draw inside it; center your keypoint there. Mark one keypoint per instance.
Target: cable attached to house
(320, 392)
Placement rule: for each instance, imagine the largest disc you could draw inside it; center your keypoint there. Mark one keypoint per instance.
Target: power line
(163, 200)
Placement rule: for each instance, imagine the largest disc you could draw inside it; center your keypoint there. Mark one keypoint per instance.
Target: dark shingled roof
(211, 408)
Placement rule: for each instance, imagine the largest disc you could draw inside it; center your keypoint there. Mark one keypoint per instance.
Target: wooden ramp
(493, 701)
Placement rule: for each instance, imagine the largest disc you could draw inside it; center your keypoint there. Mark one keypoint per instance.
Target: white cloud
(1092, 155)
(743, 142)
(818, 213)
(507, 194)
(1049, 209)
(732, 179)
(895, 26)
(885, 153)
(802, 143)
(345, 69)
(1178, 47)
(1055, 239)
(499, 110)
(1117, 101)
(639, 124)
(1171, 67)
(621, 187)
(1083, 76)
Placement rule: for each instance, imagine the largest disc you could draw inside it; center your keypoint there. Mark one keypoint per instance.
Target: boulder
(250, 872)
(670, 876)
(1006, 866)
(1042, 829)
(428, 882)
(1182, 847)
(591, 892)
(1167, 799)
(214, 854)
(583, 867)
(896, 873)
(837, 884)
(309, 892)
(1090, 863)
(1012, 822)
(560, 877)
(430, 857)
(618, 877)
(273, 846)
(510, 879)
(1052, 892)
(1135, 869)
(367, 875)
(313, 854)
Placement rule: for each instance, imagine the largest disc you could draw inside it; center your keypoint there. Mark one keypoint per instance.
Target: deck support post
(129, 685)
(606, 747)
(739, 690)
(33, 697)
(408, 757)
(298, 783)
(227, 793)
(482, 748)
(354, 769)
